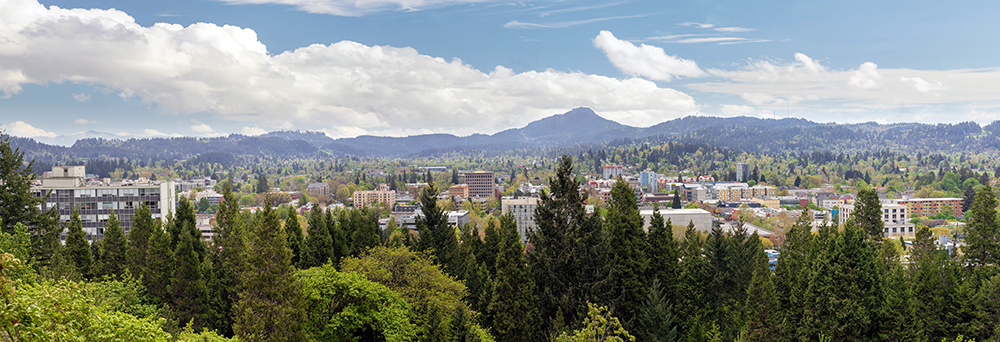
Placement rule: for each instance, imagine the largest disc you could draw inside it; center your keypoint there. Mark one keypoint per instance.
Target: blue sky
(72, 69)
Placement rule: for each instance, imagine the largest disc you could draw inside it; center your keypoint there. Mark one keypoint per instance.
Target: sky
(134, 69)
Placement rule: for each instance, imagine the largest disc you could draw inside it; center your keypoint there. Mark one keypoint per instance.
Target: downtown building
(481, 184)
(68, 189)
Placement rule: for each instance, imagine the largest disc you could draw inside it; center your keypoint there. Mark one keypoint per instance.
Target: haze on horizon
(396, 67)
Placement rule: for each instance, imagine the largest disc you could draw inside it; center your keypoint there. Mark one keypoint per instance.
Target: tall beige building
(368, 198)
(524, 213)
(481, 184)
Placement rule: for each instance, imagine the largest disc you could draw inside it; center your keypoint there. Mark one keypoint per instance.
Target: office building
(523, 210)
(481, 184)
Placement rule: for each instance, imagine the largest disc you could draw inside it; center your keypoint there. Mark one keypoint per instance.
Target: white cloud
(354, 8)
(81, 97)
(152, 133)
(644, 60)
(737, 109)
(577, 9)
(84, 121)
(805, 88)
(733, 29)
(201, 128)
(23, 129)
(226, 71)
(923, 86)
(562, 24)
(694, 24)
(252, 131)
(866, 77)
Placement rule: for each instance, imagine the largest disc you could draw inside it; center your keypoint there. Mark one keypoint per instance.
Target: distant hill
(578, 127)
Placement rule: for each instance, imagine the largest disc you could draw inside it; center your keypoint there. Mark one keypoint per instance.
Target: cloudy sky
(131, 68)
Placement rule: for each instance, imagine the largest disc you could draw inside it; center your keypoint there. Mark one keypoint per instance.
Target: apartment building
(742, 191)
(917, 207)
(69, 189)
(524, 213)
(894, 216)
(369, 198)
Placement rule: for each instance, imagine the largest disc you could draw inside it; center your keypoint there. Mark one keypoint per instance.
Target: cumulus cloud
(23, 129)
(866, 77)
(198, 127)
(226, 71)
(252, 131)
(923, 86)
(81, 97)
(646, 61)
(809, 63)
(354, 8)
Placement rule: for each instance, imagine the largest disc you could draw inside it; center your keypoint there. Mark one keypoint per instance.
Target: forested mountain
(578, 127)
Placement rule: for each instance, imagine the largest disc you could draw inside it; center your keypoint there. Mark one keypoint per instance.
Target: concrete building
(68, 189)
(702, 219)
(368, 198)
(742, 172)
(184, 187)
(524, 213)
(742, 191)
(917, 207)
(481, 184)
(612, 171)
(894, 216)
(649, 181)
(459, 190)
(317, 190)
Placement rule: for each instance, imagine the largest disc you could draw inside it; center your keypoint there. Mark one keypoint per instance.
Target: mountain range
(578, 127)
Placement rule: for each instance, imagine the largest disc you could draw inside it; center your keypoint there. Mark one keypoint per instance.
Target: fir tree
(627, 251)
(226, 263)
(187, 287)
(366, 231)
(676, 204)
(269, 297)
(262, 186)
(17, 202)
(317, 244)
(867, 215)
(983, 231)
(692, 282)
(159, 266)
(340, 242)
(77, 249)
(656, 320)
(138, 239)
(512, 309)
(295, 239)
(663, 255)
(114, 248)
(436, 237)
(792, 278)
(935, 277)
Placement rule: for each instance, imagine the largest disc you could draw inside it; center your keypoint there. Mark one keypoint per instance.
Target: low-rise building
(702, 219)
(368, 198)
(894, 216)
(459, 190)
(918, 207)
(317, 190)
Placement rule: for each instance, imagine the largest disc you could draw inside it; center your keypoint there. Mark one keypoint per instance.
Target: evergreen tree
(867, 215)
(340, 241)
(436, 237)
(18, 204)
(512, 309)
(184, 220)
(159, 268)
(138, 239)
(366, 231)
(627, 252)
(568, 262)
(676, 204)
(187, 287)
(226, 264)
(114, 248)
(968, 197)
(317, 247)
(656, 320)
(935, 277)
(692, 283)
(294, 235)
(663, 255)
(269, 297)
(262, 186)
(983, 231)
(792, 278)
(77, 249)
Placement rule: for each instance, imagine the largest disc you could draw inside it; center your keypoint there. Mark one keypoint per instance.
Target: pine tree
(867, 215)
(184, 220)
(295, 239)
(269, 297)
(317, 247)
(569, 262)
(676, 204)
(226, 263)
(187, 287)
(512, 309)
(935, 277)
(77, 249)
(968, 197)
(340, 242)
(138, 239)
(792, 278)
(262, 186)
(159, 266)
(627, 252)
(436, 237)
(663, 255)
(114, 248)
(692, 282)
(983, 231)
(17, 202)
(655, 320)
(365, 232)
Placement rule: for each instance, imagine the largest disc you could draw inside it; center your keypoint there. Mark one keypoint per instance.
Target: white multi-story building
(67, 189)
(894, 216)
(612, 171)
(524, 213)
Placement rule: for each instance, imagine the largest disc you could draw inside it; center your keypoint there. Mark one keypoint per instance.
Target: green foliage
(159, 266)
(122, 294)
(627, 251)
(138, 240)
(348, 307)
(436, 297)
(113, 249)
(436, 237)
(269, 306)
(17, 202)
(598, 326)
(188, 291)
(295, 238)
(983, 231)
(77, 249)
(512, 311)
(318, 244)
(18, 246)
(656, 320)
